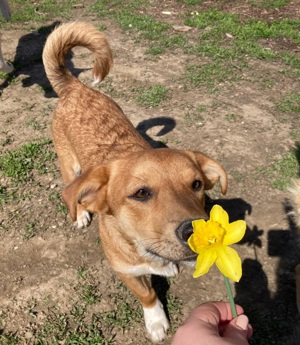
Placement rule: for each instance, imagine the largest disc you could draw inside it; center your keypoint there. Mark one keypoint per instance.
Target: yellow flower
(211, 240)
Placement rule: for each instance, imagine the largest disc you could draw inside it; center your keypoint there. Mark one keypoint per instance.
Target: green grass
(282, 171)
(152, 96)
(290, 103)
(27, 11)
(145, 27)
(210, 74)
(228, 41)
(21, 163)
(270, 4)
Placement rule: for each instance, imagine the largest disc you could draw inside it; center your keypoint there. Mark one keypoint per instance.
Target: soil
(45, 267)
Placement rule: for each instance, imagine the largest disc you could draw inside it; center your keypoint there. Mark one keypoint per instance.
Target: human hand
(212, 324)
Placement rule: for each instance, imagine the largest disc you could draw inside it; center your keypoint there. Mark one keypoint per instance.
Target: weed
(153, 96)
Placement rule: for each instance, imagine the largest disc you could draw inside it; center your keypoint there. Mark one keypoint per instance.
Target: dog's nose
(184, 231)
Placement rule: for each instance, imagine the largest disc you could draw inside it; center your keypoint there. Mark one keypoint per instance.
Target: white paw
(83, 220)
(156, 322)
(170, 270)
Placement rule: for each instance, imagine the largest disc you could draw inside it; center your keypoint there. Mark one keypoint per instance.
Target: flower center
(212, 234)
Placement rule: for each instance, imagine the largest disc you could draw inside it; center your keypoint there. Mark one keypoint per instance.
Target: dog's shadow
(28, 61)
(167, 124)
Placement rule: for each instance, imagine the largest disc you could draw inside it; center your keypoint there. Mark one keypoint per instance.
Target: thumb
(238, 330)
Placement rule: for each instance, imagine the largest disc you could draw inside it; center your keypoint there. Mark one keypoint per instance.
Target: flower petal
(198, 224)
(234, 232)
(205, 260)
(219, 215)
(192, 243)
(229, 263)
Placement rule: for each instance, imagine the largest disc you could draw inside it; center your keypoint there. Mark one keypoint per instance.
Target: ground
(54, 279)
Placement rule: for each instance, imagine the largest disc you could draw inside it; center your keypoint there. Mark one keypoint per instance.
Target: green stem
(231, 301)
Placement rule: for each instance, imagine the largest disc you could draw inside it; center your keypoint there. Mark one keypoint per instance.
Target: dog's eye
(197, 185)
(142, 194)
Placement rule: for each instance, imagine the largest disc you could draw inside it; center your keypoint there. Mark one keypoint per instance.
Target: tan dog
(145, 198)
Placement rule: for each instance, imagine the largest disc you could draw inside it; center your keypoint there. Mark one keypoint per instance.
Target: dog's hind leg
(70, 169)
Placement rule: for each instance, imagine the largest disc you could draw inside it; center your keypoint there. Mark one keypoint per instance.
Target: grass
(210, 74)
(270, 4)
(152, 96)
(290, 103)
(28, 11)
(229, 42)
(145, 27)
(21, 163)
(282, 171)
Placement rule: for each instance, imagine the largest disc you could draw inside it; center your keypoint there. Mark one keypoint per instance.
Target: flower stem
(231, 301)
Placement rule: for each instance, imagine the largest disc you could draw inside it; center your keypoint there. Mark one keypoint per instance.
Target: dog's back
(86, 123)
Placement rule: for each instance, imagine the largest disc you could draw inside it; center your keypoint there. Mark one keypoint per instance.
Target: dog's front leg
(156, 321)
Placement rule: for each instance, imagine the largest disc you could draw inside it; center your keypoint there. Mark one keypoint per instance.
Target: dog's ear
(88, 190)
(212, 170)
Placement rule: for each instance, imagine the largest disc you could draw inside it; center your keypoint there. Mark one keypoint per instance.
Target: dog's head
(153, 195)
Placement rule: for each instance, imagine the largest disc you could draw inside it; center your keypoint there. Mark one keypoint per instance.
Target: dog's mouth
(185, 257)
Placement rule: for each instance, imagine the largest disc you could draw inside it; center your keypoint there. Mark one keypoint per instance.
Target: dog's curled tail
(62, 40)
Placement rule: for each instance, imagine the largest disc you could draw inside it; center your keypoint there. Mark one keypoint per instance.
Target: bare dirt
(41, 272)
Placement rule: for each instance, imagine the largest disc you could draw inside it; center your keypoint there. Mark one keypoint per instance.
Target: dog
(145, 198)
(5, 66)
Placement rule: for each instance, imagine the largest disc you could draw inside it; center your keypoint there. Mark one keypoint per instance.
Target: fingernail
(242, 321)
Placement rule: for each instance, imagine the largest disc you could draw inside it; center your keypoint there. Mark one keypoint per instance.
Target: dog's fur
(145, 198)
(5, 66)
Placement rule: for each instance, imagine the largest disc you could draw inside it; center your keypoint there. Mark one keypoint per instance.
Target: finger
(242, 321)
(225, 312)
(238, 330)
(213, 313)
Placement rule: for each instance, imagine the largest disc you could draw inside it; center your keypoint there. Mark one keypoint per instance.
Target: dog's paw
(83, 220)
(156, 322)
